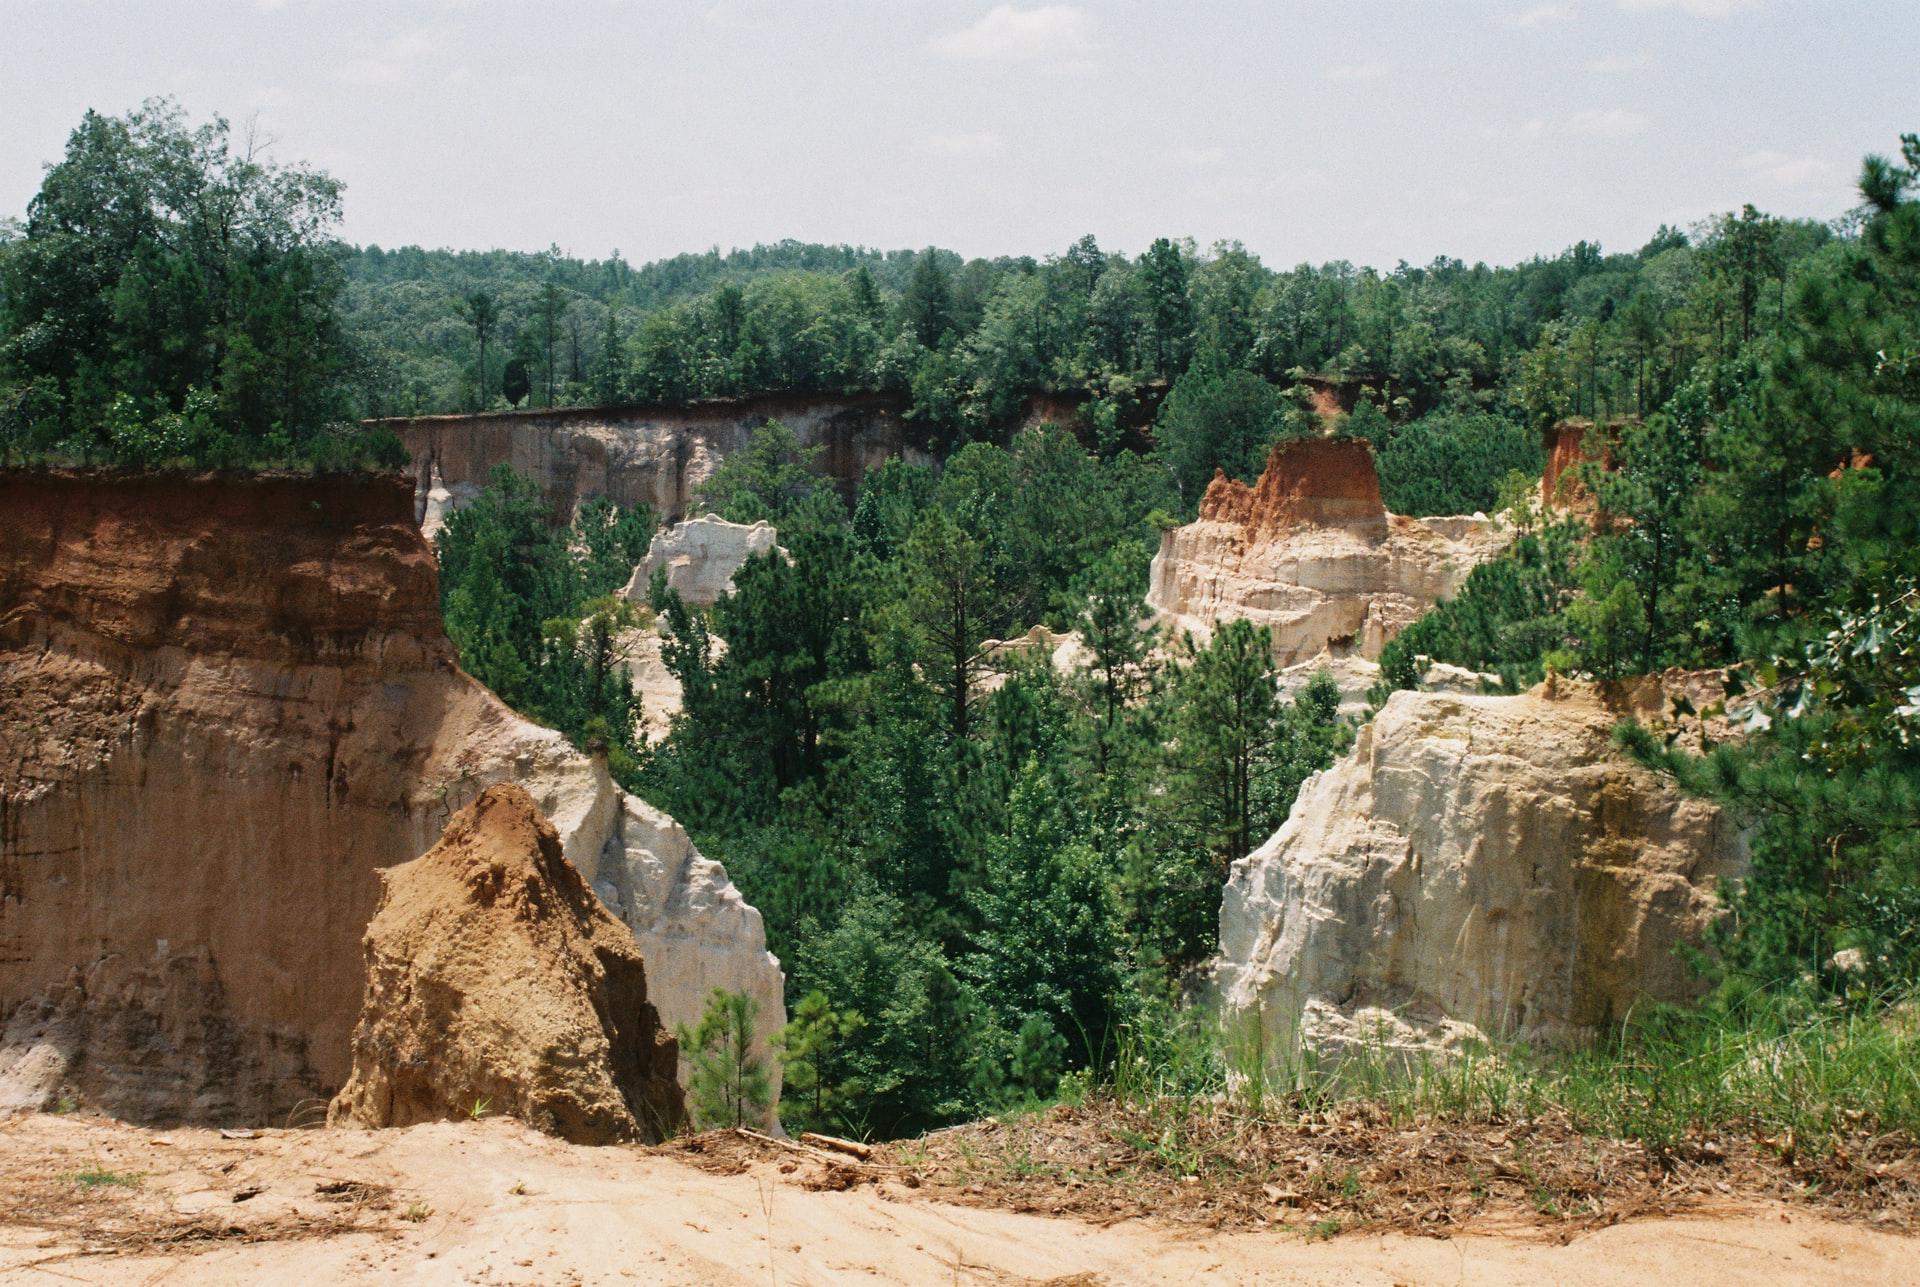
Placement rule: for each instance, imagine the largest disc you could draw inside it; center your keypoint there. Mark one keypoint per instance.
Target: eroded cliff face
(1311, 552)
(653, 455)
(225, 704)
(1476, 865)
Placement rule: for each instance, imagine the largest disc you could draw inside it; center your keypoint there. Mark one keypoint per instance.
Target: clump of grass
(416, 1213)
(97, 1176)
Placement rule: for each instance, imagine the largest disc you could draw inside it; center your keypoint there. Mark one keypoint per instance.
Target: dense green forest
(163, 288)
(982, 875)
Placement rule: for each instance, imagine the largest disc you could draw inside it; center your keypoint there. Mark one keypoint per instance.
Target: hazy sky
(1371, 130)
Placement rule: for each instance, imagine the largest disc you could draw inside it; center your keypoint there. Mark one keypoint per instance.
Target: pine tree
(726, 1081)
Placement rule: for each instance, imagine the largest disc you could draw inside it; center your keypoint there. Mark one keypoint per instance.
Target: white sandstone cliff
(1476, 865)
(700, 557)
(1311, 553)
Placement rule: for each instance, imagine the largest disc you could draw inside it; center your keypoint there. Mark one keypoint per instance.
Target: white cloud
(269, 6)
(974, 146)
(1539, 16)
(1608, 123)
(1060, 34)
(1621, 64)
(391, 61)
(1786, 171)
(1357, 72)
(1692, 8)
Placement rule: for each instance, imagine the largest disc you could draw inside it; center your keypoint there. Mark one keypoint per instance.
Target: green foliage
(914, 1063)
(811, 1046)
(985, 874)
(612, 540)
(1510, 613)
(515, 383)
(1046, 956)
(172, 301)
(726, 1082)
(1217, 419)
(1806, 532)
(1234, 759)
(1450, 463)
(771, 478)
(530, 608)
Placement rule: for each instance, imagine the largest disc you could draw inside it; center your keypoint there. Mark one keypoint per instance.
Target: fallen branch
(853, 1148)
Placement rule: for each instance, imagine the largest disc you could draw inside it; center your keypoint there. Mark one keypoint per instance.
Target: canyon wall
(660, 454)
(654, 455)
(225, 704)
(1569, 444)
(1311, 552)
(1474, 866)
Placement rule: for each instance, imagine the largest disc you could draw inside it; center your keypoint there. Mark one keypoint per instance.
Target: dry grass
(1356, 1166)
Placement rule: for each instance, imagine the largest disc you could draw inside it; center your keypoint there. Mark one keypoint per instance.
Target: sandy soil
(493, 1202)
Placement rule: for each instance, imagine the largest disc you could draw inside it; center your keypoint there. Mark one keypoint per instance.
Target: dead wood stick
(853, 1148)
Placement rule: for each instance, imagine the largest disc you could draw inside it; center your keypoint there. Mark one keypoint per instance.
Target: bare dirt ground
(87, 1200)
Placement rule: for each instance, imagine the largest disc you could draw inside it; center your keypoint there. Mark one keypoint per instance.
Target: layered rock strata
(1310, 552)
(225, 704)
(498, 983)
(1475, 866)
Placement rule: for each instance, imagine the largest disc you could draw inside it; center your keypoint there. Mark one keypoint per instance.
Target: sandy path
(496, 1203)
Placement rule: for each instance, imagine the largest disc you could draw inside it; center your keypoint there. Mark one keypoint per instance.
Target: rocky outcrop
(1310, 552)
(497, 982)
(1356, 676)
(700, 556)
(654, 682)
(690, 923)
(441, 501)
(1476, 865)
(225, 704)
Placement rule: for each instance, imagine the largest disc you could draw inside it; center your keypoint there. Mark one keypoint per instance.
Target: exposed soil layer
(1310, 552)
(1570, 444)
(1307, 482)
(225, 703)
(494, 1202)
(497, 982)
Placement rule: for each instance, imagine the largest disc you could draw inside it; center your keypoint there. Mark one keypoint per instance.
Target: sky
(1309, 130)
